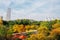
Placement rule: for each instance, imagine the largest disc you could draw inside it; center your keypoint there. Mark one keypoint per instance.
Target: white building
(8, 16)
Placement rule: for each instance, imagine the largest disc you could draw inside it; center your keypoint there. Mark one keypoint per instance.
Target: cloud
(4, 3)
(3, 13)
(19, 1)
(25, 13)
(31, 9)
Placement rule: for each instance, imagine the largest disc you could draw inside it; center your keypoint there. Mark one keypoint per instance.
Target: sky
(31, 9)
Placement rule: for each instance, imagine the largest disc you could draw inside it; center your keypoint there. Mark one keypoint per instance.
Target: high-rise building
(8, 16)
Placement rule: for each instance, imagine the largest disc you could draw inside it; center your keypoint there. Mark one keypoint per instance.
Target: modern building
(8, 16)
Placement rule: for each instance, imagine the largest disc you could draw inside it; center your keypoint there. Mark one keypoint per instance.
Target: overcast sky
(30, 9)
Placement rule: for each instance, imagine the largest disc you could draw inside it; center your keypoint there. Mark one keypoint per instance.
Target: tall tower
(8, 16)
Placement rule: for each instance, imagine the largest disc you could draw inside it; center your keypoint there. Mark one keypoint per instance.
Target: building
(8, 16)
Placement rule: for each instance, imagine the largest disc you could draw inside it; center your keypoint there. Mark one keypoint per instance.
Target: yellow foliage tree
(44, 30)
(28, 27)
(55, 34)
(57, 25)
(55, 31)
(37, 37)
(18, 28)
(34, 27)
(31, 27)
(1, 21)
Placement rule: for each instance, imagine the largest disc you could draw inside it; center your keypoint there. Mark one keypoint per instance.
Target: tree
(57, 25)
(46, 24)
(44, 30)
(25, 22)
(3, 32)
(55, 34)
(18, 28)
(1, 21)
(36, 22)
(37, 37)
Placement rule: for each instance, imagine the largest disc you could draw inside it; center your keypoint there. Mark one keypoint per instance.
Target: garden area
(26, 29)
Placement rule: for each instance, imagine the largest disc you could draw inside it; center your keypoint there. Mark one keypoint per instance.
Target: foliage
(46, 30)
(55, 34)
(1, 21)
(37, 37)
(18, 28)
(3, 30)
(56, 25)
(43, 30)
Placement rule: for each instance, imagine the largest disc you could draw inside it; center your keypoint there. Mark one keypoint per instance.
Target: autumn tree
(18, 28)
(3, 31)
(46, 24)
(57, 25)
(43, 30)
(55, 34)
(37, 37)
(1, 21)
